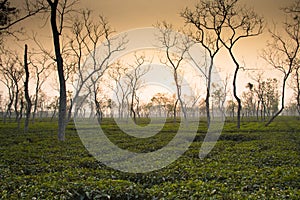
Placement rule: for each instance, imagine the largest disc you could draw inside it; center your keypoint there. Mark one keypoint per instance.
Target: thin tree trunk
(234, 89)
(207, 106)
(20, 113)
(298, 90)
(174, 110)
(179, 94)
(16, 102)
(208, 91)
(132, 111)
(282, 101)
(60, 70)
(36, 99)
(27, 97)
(8, 111)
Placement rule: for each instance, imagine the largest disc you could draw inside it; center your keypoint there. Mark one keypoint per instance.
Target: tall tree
(283, 52)
(87, 35)
(176, 47)
(205, 23)
(229, 23)
(240, 23)
(57, 14)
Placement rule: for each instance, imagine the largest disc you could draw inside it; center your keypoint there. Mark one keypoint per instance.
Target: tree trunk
(282, 101)
(208, 91)
(234, 90)
(98, 109)
(178, 87)
(26, 92)
(36, 99)
(132, 111)
(207, 106)
(20, 113)
(8, 110)
(16, 102)
(174, 110)
(60, 69)
(298, 89)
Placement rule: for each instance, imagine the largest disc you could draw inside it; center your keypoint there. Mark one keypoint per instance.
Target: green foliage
(255, 162)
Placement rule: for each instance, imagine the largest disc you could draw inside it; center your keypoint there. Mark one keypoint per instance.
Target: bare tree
(240, 23)
(230, 23)
(40, 66)
(121, 90)
(58, 12)
(134, 76)
(283, 52)
(8, 82)
(205, 22)
(87, 36)
(13, 72)
(176, 46)
(260, 94)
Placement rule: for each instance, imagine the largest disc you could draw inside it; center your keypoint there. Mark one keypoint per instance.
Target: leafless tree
(240, 23)
(205, 21)
(40, 66)
(12, 72)
(230, 23)
(8, 82)
(176, 47)
(58, 12)
(87, 36)
(134, 76)
(283, 52)
(121, 91)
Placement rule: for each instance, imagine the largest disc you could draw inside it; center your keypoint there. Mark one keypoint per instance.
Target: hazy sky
(124, 15)
(129, 14)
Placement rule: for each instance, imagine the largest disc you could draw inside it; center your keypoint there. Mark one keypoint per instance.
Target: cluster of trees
(76, 35)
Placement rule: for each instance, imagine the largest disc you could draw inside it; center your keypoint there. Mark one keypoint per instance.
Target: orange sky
(129, 14)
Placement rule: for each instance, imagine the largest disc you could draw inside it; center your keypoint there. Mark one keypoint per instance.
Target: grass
(255, 162)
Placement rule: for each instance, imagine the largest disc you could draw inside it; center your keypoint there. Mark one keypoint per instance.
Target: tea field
(255, 162)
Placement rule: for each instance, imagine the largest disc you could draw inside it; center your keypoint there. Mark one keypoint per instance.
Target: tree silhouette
(283, 52)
